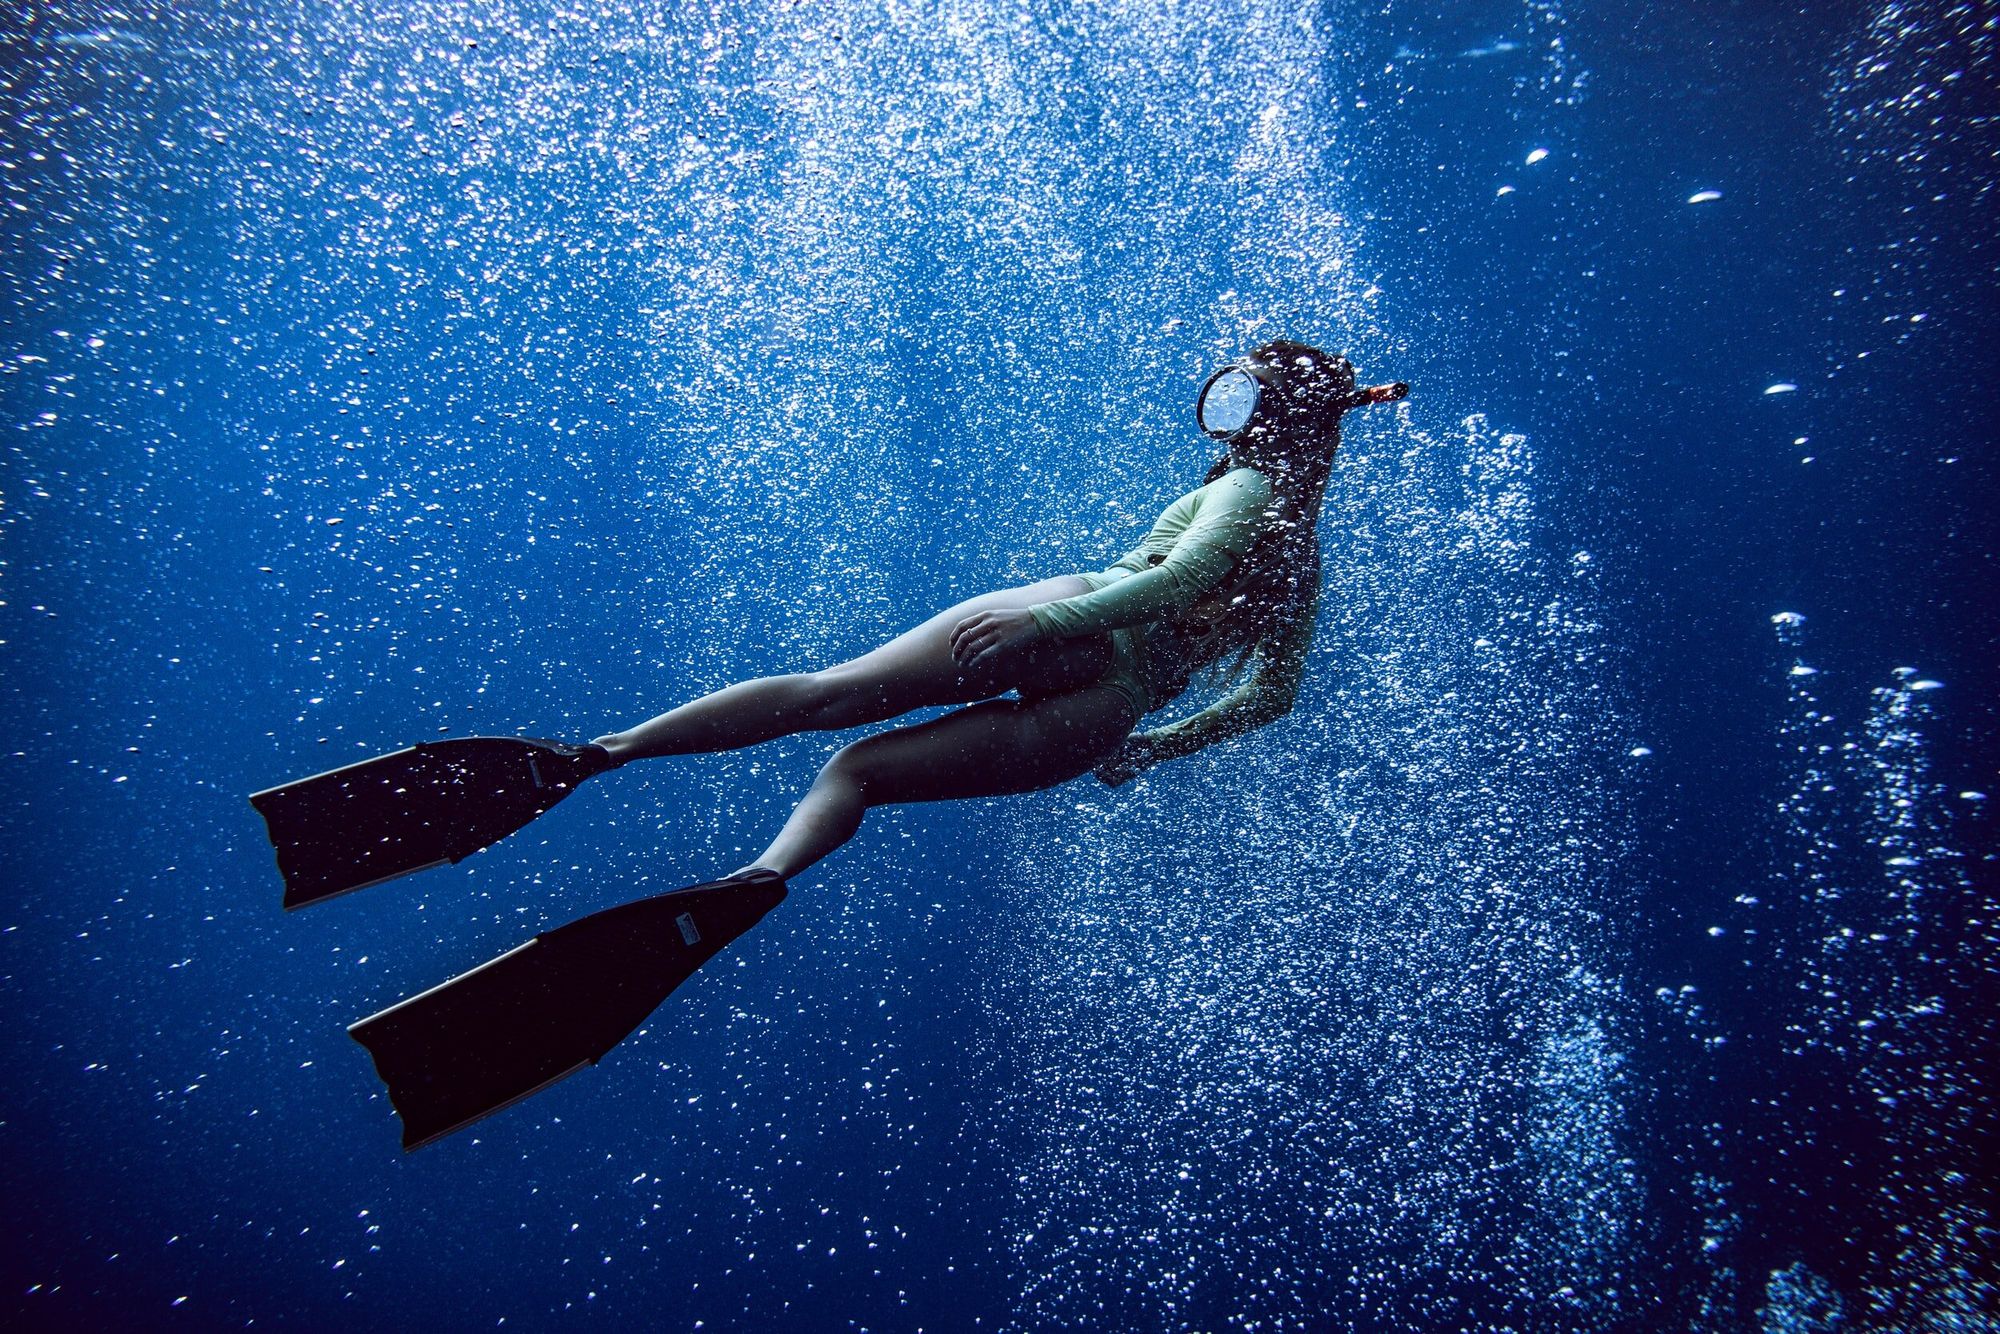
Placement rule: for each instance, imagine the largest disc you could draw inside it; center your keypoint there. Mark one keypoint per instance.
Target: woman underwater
(1229, 575)
(1230, 570)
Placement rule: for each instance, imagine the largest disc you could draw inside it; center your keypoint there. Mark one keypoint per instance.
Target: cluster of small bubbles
(1798, 1301)
(1864, 942)
(1559, 79)
(1719, 1227)
(1911, 97)
(1342, 1003)
(1915, 77)
(1586, 1187)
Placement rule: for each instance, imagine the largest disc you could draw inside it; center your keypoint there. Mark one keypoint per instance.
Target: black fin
(440, 801)
(511, 1027)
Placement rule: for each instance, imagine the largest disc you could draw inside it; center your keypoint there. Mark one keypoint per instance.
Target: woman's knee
(850, 769)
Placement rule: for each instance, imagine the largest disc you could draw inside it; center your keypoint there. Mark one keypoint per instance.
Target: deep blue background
(634, 354)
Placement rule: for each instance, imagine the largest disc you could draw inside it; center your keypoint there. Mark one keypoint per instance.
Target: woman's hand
(988, 632)
(1126, 763)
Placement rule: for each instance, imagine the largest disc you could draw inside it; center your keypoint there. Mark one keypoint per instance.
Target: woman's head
(1278, 410)
(1275, 402)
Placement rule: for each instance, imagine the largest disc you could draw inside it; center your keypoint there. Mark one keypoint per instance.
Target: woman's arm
(1232, 515)
(1265, 696)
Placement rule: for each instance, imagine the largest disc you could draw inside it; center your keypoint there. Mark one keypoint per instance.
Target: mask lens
(1227, 402)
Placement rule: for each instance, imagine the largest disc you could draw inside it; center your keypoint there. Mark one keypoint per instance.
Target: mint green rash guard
(1194, 547)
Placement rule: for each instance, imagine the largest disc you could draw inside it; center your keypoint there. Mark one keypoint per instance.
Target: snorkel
(1380, 393)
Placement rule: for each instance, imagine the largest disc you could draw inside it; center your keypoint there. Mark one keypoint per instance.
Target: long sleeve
(1216, 526)
(1130, 563)
(1265, 695)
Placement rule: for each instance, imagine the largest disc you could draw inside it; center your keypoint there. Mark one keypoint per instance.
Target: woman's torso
(1169, 650)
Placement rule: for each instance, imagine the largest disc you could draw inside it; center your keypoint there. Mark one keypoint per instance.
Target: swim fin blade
(509, 1028)
(436, 802)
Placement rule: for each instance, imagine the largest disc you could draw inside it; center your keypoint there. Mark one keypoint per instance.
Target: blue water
(1605, 942)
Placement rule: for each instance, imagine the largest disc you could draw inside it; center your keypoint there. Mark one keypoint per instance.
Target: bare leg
(911, 671)
(989, 750)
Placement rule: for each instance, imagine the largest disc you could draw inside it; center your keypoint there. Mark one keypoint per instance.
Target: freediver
(1228, 577)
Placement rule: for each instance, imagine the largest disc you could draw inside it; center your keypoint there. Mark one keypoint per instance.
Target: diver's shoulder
(1247, 482)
